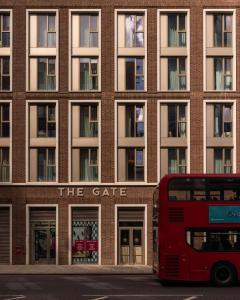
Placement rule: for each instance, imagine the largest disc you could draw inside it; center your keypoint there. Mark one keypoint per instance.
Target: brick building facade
(98, 101)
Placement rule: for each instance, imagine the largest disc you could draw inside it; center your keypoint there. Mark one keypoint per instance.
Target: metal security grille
(130, 214)
(43, 214)
(85, 213)
(4, 235)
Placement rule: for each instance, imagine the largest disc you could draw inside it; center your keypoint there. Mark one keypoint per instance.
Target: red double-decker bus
(196, 228)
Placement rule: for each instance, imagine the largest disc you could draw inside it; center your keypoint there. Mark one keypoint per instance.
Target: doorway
(42, 235)
(131, 246)
(131, 236)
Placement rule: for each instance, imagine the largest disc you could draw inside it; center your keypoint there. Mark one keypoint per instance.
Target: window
(46, 122)
(4, 121)
(177, 160)
(222, 160)
(134, 121)
(202, 189)
(177, 30)
(88, 30)
(177, 73)
(88, 121)
(222, 120)
(134, 78)
(4, 73)
(88, 74)
(134, 31)
(89, 164)
(177, 121)
(46, 164)
(4, 164)
(223, 73)
(46, 31)
(46, 74)
(222, 30)
(135, 164)
(216, 240)
(4, 30)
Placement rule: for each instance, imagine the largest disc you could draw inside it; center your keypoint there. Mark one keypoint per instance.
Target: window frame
(91, 75)
(29, 56)
(188, 50)
(223, 106)
(234, 141)
(178, 73)
(177, 121)
(70, 147)
(223, 159)
(4, 121)
(85, 54)
(47, 165)
(7, 51)
(28, 147)
(223, 30)
(179, 165)
(116, 55)
(233, 56)
(187, 103)
(145, 147)
(46, 112)
(178, 31)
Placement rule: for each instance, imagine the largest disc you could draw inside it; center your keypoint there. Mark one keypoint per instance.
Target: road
(105, 287)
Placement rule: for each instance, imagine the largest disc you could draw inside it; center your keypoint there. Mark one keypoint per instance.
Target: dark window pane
(218, 30)
(130, 164)
(172, 74)
(218, 120)
(84, 121)
(41, 164)
(51, 66)
(84, 74)
(42, 73)
(172, 120)
(139, 173)
(5, 129)
(6, 39)
(130, 121)
(182, 22)
(42, 30)
(130, 74)
(6, 83)
(172, 30)
(6, 23)
(6, 66)
(41, 111)
(5, 112)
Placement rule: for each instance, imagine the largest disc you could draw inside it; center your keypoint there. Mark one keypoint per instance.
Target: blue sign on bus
(224, 214)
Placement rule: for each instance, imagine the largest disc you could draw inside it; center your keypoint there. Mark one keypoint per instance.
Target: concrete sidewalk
(79, 269)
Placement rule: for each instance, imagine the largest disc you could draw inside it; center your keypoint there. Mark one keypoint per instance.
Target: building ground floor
(59, 225)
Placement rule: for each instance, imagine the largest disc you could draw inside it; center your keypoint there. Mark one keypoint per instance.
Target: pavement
(74, 269)
(106, 287)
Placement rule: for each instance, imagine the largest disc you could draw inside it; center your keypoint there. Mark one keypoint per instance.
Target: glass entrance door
(131, 246)
(43, 244)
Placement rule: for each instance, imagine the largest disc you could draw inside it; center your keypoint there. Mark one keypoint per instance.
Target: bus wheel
(224, 274)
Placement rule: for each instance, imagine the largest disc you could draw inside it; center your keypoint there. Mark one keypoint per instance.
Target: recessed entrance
(43, 235)
(131, 236)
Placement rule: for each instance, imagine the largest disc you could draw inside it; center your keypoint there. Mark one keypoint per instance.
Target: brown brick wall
(20, 196)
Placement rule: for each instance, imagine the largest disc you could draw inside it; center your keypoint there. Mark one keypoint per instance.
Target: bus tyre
(224, 274)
